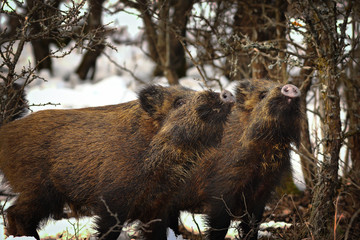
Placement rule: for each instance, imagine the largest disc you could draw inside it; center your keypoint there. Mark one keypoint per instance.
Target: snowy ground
(111, 86)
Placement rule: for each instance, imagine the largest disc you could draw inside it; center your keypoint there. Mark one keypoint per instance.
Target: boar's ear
(242, 89)
(151, 98)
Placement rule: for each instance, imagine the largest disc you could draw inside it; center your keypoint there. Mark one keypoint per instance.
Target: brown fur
(52, 158)
(237, 178)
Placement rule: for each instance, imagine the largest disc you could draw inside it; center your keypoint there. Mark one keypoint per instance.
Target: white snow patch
(68, 228)
(20, 238)
(194, 222)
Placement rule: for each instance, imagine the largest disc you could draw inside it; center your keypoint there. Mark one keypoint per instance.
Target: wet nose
(227, 96)
(291, 91)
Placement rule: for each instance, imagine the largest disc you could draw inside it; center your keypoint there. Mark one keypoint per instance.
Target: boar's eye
(262, 95)
(179, 102)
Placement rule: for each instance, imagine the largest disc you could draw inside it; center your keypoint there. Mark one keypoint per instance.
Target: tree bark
(262, 22)
(352, 162)
(96, 45)
(150, 29)
(41, 46)
(179, 22)
(307, 159)
(164, 47)
(322, 27)
(353, 102)
(323, 211)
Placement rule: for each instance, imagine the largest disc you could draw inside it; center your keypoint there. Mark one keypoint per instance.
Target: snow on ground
(195, 222)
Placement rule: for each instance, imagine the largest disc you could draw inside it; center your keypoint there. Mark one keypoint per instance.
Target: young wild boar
(142, 188)
(96, 159)
(236, 179)
(30, 148)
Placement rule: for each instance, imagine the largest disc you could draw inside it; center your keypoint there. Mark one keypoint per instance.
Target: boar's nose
(227, 96)
(290, 91)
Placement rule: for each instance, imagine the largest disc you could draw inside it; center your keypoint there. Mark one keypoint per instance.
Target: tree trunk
(179, 22)
(262, 22)
(323, 211)
(352, 163)
(164, 47)
(96, 46)
(41, 49)
(150, 30)
(307, 159)
(353, 101)
(322, 27)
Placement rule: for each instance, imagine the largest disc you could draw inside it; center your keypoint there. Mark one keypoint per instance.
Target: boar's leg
(157, 230)
(109, 222)
(219, 222)
(108, 229)
(250, 223)
(28, 210)
(174, 222)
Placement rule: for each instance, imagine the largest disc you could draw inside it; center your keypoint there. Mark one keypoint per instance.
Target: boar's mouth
(292, 102)
(284, 107)
(216, 107)
(214, 114)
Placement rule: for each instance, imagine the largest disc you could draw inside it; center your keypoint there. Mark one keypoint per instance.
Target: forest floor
(293, 211)
(281, 220)
(285, 217)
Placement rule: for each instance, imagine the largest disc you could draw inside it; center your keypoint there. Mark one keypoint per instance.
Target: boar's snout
(290, 91)
(227, 96)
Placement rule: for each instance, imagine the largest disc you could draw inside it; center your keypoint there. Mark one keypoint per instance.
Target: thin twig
(192, 60)
(353, 217)
(123, 68)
